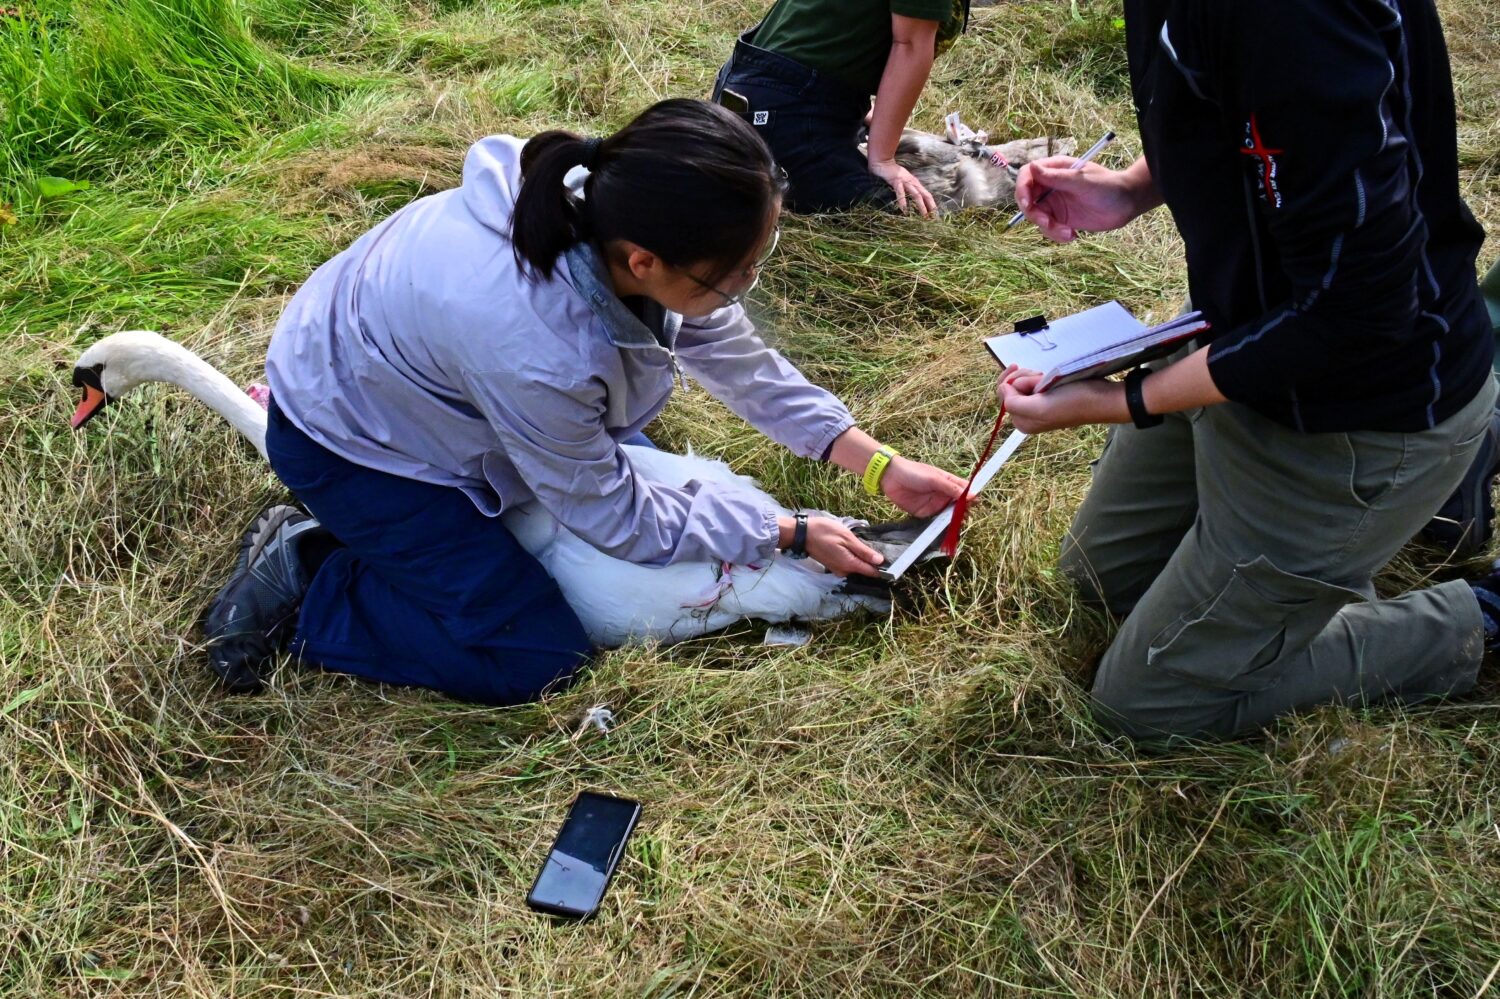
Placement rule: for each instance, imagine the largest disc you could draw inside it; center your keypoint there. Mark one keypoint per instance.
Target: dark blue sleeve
(1318, 90)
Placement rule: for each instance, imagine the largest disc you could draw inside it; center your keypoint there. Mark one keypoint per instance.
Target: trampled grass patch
(918, 805)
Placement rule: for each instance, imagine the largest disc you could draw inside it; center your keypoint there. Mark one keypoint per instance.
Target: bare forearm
(1184, 385)
(906, 72)
(1187, 384)
(1142, 187)
(852, 449)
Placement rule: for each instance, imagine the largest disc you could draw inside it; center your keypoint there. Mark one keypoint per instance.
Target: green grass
(913, 806)
(85, 82)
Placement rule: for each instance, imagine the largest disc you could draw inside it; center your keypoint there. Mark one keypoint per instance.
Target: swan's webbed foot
(892, 539)
(855, 585)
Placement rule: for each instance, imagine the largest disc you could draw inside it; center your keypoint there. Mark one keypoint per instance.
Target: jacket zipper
(1260, 281)
(672, 355)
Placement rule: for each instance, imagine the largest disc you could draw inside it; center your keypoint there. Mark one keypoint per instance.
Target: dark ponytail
(546, 219)
(687, 180)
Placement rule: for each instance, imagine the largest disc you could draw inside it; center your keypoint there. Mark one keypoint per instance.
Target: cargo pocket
(1465, 447)
(1109, 438)
(1239, 638)
(1377, 465)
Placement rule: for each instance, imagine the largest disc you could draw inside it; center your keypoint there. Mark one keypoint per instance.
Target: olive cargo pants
(1241, 554)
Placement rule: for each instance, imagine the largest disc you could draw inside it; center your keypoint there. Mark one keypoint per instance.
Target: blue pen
(1094, 150)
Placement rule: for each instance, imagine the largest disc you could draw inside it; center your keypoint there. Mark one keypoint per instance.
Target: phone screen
(587, 850)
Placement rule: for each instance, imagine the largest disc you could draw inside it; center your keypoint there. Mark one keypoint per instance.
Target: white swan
(618, 602)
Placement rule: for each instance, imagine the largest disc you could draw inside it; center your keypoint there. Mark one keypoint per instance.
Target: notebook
(1090, 344)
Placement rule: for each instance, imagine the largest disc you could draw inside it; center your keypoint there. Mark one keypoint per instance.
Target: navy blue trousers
(811, 122)
(428, 591)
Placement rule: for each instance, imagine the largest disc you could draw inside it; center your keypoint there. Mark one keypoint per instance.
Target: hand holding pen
(1062, 196)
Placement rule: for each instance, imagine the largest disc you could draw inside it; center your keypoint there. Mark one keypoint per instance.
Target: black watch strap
(798, 547)
(1135, 400)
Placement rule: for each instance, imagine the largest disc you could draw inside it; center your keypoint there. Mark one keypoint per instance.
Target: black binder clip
(1036, 327)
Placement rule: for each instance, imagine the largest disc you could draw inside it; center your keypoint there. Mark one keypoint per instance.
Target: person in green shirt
(804, 77)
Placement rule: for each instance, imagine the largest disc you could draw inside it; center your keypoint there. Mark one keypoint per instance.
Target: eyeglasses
(752, 272)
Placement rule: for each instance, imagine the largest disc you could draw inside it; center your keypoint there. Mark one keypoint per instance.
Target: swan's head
(113, 367)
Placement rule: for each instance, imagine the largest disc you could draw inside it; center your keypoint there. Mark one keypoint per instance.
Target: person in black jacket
(1307, 153)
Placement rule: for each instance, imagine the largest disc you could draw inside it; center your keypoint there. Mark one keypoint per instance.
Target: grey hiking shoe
(1463, 523)
(252, 617)
(1487, 592)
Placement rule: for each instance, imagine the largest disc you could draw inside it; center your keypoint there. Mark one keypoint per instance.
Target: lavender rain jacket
(423, 351)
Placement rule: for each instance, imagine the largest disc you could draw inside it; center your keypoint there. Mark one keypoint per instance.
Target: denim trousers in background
(811, 122)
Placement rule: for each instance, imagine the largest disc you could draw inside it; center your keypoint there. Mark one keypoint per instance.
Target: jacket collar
(589, 277)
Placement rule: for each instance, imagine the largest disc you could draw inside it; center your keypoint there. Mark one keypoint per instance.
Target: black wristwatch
(1135, 400)
(798, 547)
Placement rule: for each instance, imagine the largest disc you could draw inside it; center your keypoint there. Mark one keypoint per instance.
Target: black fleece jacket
(1307, 152)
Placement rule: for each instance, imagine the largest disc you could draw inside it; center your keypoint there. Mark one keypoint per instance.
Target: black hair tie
(591, 152)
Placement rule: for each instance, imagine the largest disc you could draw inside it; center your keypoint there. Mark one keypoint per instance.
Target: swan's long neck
(171, 362)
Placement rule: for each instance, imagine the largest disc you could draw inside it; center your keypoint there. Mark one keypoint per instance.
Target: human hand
(1093, 400)
(836, 548)
(1094, 197)
(919, 489)
(905, 185)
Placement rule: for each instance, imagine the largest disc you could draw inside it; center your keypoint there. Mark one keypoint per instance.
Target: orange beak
(94, 396)
(93, 401)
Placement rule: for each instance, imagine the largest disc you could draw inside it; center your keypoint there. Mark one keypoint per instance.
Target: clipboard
(1090, 344)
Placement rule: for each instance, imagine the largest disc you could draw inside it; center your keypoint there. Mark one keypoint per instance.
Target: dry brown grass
(913, 806)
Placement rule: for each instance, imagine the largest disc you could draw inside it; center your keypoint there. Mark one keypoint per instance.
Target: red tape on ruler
(961, 505)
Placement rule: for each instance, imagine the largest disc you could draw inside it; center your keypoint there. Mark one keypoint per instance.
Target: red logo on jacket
(1256, 147)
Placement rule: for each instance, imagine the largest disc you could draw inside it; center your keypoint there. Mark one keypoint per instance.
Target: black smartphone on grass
(585, 855)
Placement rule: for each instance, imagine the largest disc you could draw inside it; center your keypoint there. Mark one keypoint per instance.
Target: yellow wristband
(876, 468)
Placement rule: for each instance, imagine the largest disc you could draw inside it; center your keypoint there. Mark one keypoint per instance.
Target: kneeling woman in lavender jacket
(495, 344)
